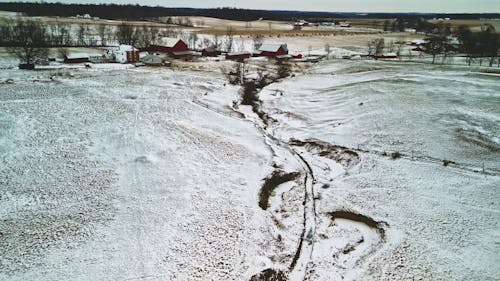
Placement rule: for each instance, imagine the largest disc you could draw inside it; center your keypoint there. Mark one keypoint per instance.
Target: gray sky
(449, 6)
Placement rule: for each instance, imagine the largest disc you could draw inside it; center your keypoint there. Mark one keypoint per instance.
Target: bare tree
(81, 35)
(436, 44)
(230, 38)
(155, 35)
(126, 34)
(216, 42)
(90, 36)
(328, 50)
(489, 43)
(387, 23)
(144, 37)
(257, 41)
(284, 69)
(390, 47)
(370, 48)
(6, 33)
(193, 38)
(29, 42)
(65, 35)
(376, 47)
(103, 32)
(206, 43)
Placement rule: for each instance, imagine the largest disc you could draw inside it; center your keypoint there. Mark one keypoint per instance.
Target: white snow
(127, 178)
(123, 173)
(442, 221)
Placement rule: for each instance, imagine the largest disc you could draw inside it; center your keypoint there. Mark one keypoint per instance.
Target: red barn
(273, 50)
(170, 46)
(238, 56)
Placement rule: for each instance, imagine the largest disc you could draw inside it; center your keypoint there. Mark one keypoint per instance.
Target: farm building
(152, 60)
(185, 54)
(273, 50)
(76, 58)
(170, 46)
(238, 56)
(387, 56)
(284, 57)
(124, 54)
(343, 24)
(98, 59)
(210, 52)
(418, 42)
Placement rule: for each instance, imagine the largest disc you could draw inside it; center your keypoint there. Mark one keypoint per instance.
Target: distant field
(474, 24)
(250, 32)
(214, 26)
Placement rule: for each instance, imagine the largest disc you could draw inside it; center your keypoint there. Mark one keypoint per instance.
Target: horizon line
(250, 9)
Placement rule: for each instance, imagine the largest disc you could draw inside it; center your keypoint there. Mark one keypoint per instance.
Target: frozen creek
(141, 174)
(397, 151)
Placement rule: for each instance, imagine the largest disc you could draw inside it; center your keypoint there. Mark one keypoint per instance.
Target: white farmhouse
(124, 54)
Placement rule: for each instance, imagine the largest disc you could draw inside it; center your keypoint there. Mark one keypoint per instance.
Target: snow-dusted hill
(362, 170)
(117, 175)
(405, 145)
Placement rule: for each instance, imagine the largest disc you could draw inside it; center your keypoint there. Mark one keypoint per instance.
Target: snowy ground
(123, 173)
(117, 175)
(439, 222)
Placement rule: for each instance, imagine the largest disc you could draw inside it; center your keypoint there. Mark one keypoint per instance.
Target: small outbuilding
(418, 42)
(186, 55)
(76, 58)
(210, 52)
(273, 50)
(238, 56)
(387, 56)
(152, 60)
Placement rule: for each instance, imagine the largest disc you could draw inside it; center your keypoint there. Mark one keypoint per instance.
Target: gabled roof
(169, 42)
(238, 53)
(77, 56)
(126, 48)
(273, 47)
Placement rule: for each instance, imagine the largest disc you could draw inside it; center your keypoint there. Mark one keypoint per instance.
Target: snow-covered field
(364, 171)
(440, 219)
(117, 175)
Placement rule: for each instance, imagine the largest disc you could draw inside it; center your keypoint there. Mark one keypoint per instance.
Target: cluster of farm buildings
(175, 48)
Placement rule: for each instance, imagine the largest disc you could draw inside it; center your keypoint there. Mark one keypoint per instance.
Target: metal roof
(126, 48)
(169, 42)
(272, 47)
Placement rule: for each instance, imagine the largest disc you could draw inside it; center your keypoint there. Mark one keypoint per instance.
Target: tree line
(401, 24)
(442, 40)
(16, 33)
(480, 45)
(30, 40)
(113, 11)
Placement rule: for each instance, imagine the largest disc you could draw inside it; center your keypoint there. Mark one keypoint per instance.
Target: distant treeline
(113, 11)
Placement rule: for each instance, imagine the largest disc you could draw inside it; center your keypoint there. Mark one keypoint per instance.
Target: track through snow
(303, 253)
(385, 149)
(303, 261)
(152, 174)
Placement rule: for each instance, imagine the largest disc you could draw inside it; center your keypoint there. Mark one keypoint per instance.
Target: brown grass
(273, 33)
